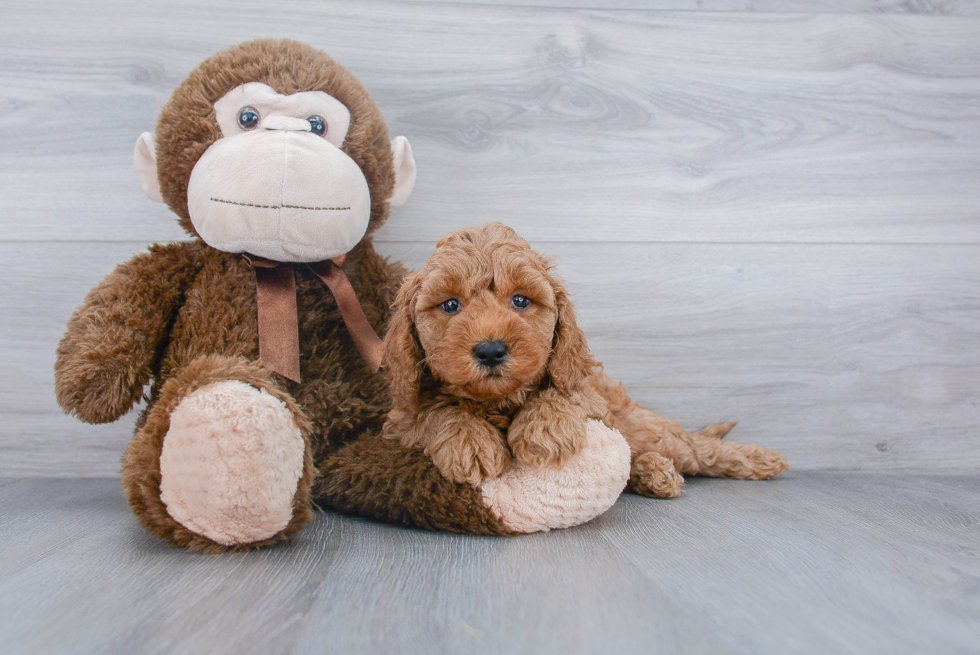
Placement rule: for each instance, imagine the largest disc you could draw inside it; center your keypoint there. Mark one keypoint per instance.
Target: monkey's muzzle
(282, 194)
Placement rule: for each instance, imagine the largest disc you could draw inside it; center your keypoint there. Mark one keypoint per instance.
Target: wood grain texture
(568, 125)
(847, 357)
(57, 446)
(925, 7)
(850, 357)
(813, 564)
(768, 217)
(810, 563)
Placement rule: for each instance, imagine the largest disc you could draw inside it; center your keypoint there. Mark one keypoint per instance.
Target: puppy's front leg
(550, 428)
(464, 447)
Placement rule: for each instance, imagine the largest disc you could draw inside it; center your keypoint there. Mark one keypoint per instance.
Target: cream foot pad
(231, 462)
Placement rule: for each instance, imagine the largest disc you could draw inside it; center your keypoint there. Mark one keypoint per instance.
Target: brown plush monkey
(258, 336)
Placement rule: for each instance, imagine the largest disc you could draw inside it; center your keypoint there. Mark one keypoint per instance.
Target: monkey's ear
(145, 159)
(404, 171)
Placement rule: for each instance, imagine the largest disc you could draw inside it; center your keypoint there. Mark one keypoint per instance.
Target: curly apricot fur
(546, 388)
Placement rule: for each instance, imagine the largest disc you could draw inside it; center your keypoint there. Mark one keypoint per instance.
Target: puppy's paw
(469, 453)
(653, 475)
(761, 463)
(546, 440)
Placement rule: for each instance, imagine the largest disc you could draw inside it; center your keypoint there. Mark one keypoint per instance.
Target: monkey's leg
(221, 461)
(698, 453)
(386, 480)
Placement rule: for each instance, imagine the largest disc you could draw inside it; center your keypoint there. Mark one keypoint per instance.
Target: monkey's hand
(550, 428)
(105, 357)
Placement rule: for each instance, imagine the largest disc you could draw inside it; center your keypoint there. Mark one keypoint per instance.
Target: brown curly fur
(184, 314)
(471, 419)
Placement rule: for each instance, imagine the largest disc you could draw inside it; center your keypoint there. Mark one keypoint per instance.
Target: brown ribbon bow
(275, 292)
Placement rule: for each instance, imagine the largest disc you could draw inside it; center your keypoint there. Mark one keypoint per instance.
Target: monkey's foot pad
(231, 462)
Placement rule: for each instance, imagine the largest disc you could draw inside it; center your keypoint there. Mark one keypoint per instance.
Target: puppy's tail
(697, 453)
(716, 430)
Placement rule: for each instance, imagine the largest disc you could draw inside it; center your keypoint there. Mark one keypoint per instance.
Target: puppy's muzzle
(490, 353)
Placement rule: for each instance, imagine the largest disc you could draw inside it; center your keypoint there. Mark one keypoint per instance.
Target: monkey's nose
(287, 123)
(490, 353)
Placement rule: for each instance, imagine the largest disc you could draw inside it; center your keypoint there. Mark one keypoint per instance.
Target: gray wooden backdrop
(767, 210)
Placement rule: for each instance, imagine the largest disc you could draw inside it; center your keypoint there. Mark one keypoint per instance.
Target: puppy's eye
(248, 118)
(451, 306)
(520, 302)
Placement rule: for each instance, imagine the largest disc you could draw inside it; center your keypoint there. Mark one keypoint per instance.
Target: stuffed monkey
(258, 336)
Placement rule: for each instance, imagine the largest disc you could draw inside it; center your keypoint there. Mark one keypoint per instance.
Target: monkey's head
(274, 149)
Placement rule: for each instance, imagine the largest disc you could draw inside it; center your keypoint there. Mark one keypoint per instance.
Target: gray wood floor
(810, 563)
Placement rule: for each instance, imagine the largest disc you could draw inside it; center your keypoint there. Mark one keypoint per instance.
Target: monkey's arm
(113, 339)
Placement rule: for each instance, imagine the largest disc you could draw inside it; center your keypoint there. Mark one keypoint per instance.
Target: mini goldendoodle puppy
(486, 363)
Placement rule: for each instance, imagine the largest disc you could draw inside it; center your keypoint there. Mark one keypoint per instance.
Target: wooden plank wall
(925, 7)
(771, 216)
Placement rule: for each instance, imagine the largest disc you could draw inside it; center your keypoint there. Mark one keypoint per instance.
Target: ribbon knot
(275, 294)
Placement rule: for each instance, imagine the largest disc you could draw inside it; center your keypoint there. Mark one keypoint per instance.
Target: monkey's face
(277, 184)
(273, 149)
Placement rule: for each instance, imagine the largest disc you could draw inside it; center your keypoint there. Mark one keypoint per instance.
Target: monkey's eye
(520, 302)
(317, 125)
(248, 118)
(451, 306)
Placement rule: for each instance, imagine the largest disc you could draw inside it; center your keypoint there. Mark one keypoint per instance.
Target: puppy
(487, 364)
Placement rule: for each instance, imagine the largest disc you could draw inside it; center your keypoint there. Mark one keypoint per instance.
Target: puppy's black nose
(490, 353)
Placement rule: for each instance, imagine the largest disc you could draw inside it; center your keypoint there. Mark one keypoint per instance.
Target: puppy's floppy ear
(571, 363)
(402, 353)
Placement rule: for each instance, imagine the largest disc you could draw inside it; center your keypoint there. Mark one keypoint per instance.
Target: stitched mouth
(281, 206)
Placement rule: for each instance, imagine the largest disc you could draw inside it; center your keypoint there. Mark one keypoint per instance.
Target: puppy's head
(486, 319)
